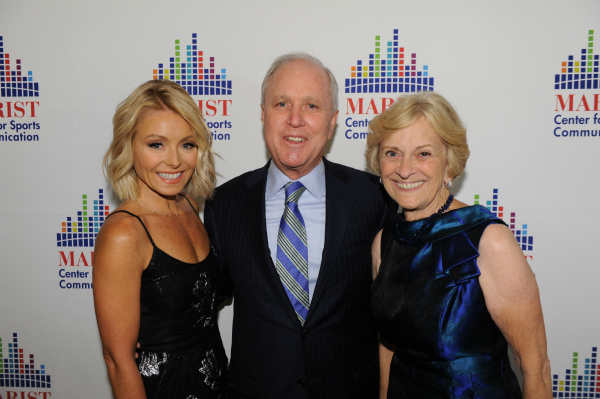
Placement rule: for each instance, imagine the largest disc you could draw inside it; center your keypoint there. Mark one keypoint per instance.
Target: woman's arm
(385, 353)
(120, 258)
(513, 300)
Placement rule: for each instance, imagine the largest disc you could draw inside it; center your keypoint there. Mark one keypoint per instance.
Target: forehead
(299, 78)
(418, 134)
(164, 121)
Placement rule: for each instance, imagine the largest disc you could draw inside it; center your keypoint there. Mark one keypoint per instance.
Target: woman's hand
(120, 258)
(513, 300)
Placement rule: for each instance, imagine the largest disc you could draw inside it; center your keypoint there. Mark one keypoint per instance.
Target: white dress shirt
(312, 207)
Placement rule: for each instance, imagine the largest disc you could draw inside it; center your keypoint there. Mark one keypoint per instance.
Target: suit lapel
(338, 206)
(255, 228)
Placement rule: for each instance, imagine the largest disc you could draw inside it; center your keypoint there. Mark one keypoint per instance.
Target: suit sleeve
(225, 290)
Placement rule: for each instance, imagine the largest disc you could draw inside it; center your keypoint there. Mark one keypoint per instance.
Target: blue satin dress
(427, 301)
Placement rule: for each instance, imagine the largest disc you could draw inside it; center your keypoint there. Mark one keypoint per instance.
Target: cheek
(386, 169)
(192, 159)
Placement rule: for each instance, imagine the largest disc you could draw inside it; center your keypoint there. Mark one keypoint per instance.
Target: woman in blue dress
(452, 289)
(155, 273)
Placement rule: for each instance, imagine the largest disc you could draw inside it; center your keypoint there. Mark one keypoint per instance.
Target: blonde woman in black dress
(155, 274)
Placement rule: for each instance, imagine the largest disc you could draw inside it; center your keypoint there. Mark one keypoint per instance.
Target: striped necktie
(292, 251)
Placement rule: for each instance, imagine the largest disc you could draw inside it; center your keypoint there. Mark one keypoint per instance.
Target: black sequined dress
(182, 355)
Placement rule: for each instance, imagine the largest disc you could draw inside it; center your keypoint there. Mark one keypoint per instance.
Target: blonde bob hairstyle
(157, 95)
(405, 111)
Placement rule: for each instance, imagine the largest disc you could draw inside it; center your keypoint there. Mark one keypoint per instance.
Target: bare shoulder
(497, 239)
(121, 236)
(192, 201)
(501, 255)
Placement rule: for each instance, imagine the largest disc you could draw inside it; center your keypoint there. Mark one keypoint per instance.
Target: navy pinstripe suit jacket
(335, 354)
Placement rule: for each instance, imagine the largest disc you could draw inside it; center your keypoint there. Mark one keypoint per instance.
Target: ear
(262, 114)
(332, 123)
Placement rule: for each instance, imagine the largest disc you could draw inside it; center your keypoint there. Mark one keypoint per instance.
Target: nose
(173, 158)
(406, 167)
(296, 118)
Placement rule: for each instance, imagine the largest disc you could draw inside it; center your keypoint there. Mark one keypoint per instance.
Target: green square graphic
(377, 37)
(176, 41)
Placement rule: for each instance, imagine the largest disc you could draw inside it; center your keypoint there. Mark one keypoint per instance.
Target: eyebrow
(416, 149)
(281, 97)
(158, 136)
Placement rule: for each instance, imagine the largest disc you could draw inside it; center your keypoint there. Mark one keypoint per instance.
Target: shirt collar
(314, 181)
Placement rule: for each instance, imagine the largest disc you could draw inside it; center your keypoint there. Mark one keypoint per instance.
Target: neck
(157, 203)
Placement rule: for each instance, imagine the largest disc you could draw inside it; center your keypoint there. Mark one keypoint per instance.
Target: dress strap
(186, 198)
(138, 218)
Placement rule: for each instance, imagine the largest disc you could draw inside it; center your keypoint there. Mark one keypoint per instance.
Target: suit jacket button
(301, 383)
(305, 334)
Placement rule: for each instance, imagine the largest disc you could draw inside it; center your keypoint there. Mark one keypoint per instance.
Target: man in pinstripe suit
(331, 351)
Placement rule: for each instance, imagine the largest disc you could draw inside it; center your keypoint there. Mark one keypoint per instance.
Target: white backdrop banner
(522, 75)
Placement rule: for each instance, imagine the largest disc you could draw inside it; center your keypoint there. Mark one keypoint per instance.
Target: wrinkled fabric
(427, 301)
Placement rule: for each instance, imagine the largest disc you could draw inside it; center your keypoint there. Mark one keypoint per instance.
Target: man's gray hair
(284, 59)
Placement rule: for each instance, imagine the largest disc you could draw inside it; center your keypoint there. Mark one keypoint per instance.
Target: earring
(380, 180)
(449, 184)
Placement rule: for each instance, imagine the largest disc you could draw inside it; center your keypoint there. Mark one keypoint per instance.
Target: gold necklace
(158, 213)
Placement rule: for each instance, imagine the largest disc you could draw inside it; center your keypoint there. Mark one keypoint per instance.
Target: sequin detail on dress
(204, 295)
(210, 368)
(149, 363)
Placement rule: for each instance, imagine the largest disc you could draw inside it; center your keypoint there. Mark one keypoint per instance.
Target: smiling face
(297, 117)
(414, 169)
(164, 153)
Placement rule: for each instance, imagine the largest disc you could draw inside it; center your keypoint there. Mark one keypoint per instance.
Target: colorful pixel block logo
(524, 240)
(196, 74)
(582, 73)
(16, 373)
(83, 232)
(581, 381)
(392, 72)
(13, 81)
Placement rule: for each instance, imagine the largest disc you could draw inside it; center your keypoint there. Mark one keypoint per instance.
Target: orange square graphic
(353, 68)
(353, 75)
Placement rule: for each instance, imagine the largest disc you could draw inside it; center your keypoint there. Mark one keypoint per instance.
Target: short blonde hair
(157, 95)
(407, 110)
